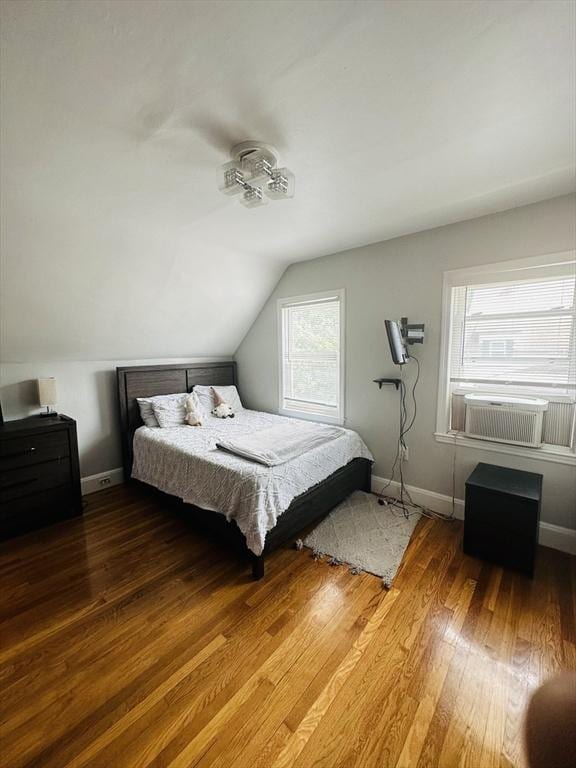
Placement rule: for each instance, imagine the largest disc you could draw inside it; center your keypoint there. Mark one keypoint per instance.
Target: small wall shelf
(396, 382)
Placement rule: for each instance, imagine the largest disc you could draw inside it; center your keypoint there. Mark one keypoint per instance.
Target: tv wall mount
(412, 333)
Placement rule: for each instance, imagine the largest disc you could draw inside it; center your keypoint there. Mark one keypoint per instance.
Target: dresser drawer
(23, 451)
(23, 481)
(36, 510)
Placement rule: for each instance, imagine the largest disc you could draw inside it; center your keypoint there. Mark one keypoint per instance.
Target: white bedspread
(185, 462)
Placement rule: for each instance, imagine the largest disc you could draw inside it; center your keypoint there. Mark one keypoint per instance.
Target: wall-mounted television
(396, 342)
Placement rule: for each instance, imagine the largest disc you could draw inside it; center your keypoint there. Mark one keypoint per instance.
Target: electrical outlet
(104, 481)
(404, 452)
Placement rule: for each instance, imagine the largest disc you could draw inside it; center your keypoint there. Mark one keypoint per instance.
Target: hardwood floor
(128, 640)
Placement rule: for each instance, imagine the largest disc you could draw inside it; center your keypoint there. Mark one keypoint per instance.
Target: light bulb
(257, 166)
(253, 197)
(281, 184)
(231, 179)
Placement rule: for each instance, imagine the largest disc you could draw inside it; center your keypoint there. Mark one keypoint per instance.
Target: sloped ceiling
(395, 117)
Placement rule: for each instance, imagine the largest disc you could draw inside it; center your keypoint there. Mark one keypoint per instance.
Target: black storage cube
(502, 515)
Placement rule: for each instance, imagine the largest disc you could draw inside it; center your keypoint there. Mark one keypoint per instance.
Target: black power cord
(406, 424)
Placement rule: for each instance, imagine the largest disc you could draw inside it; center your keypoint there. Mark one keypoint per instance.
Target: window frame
(494, 272)
(310, 298)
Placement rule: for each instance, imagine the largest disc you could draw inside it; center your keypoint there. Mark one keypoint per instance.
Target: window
(311, 355)
(515, 333)
(511, 329)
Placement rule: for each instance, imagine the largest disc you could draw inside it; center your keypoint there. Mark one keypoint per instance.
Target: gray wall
(404, 277)
(87, 392)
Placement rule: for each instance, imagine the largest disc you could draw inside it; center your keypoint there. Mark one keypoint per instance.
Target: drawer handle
(19, 483)
(18, 453)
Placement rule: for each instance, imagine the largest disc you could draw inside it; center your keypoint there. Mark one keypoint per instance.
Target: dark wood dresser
(502, 516)
(39, 473)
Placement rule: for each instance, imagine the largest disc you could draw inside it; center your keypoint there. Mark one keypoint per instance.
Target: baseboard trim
(553, 536)
(558, 537)
(93, 483)
(438, 502)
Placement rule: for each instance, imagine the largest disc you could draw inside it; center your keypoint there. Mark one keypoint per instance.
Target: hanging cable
(404, 502)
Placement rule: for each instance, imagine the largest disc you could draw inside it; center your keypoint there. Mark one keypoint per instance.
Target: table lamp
(47, 395)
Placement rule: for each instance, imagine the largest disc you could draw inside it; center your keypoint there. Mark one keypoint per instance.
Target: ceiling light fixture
(253, 172)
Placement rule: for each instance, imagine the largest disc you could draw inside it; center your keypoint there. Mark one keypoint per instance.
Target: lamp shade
(47, 392)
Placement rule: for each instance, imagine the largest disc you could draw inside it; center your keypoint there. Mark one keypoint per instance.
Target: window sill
(317, 417)
(553, 453)
(550, 395)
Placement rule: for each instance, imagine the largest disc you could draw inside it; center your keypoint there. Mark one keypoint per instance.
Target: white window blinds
(520, 333)
(310, 356)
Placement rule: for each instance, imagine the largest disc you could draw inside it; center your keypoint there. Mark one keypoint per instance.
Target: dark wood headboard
(149, 380)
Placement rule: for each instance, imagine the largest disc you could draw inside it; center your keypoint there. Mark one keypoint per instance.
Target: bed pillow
(146, 406)
(146, 411)
(205, 397)
(228, 393)
(170, 410)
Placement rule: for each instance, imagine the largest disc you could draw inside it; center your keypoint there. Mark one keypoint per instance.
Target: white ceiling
(394, 116)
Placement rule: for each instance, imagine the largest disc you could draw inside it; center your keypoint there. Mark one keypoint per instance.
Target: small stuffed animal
(193, 411)
(222, 410)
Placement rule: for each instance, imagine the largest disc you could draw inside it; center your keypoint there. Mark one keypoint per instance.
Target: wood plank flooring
(130, 640)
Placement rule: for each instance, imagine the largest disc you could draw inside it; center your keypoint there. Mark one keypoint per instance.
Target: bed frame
(309, 507)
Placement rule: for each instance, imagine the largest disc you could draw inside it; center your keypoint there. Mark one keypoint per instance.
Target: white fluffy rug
(365, 535)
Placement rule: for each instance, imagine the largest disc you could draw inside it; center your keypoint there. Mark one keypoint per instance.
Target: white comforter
(185, 462)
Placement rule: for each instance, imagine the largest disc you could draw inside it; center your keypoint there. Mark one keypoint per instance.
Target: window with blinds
(515, 333)
(311, 355)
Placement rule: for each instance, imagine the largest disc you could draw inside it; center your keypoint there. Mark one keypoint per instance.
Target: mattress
(185, 462)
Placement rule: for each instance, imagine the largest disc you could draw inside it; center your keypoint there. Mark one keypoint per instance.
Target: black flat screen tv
(396, 342)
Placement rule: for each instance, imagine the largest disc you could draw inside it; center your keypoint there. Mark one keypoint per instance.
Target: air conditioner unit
(516, 420)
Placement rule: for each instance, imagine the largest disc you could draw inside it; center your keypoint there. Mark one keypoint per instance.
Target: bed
(256, 507)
